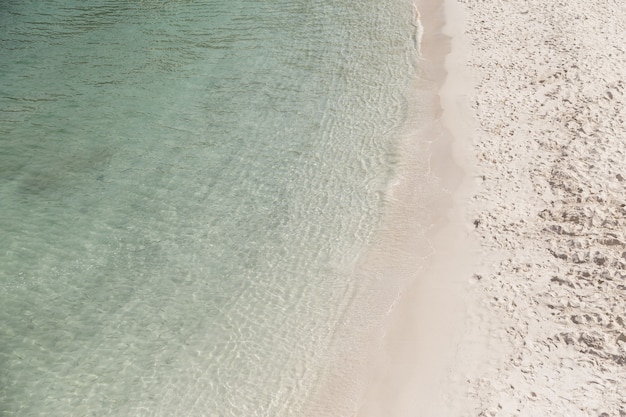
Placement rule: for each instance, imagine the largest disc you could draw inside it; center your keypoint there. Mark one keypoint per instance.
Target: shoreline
(418, 203)
(424, 326)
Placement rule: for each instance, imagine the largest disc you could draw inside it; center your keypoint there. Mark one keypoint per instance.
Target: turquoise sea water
(186, 190)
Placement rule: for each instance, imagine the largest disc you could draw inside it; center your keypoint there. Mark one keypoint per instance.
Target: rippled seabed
(185, 189)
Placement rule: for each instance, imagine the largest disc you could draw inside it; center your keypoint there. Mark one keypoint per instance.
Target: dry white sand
(544, 332)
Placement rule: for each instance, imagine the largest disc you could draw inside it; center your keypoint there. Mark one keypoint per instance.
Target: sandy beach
(543, 328)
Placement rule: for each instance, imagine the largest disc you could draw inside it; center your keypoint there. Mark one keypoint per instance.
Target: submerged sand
(545, 310)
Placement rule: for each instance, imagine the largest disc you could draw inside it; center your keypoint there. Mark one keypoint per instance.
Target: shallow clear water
(186, 188)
